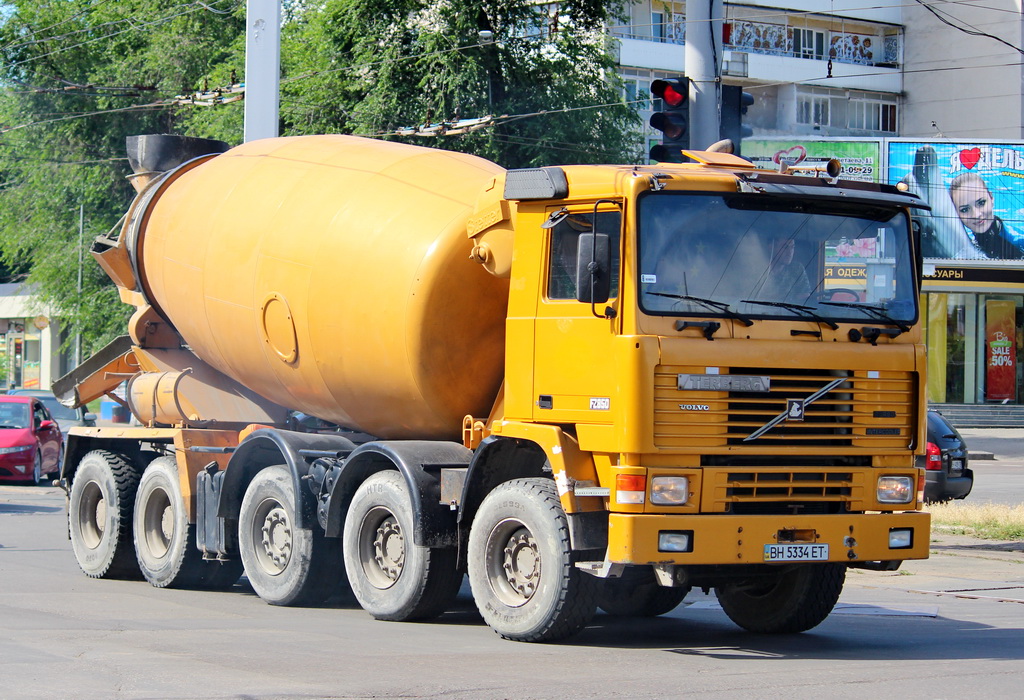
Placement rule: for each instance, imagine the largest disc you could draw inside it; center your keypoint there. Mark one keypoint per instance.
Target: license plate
(796, 552)
(957, 465)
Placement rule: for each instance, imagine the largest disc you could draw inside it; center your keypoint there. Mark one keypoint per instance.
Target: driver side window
(564, 244)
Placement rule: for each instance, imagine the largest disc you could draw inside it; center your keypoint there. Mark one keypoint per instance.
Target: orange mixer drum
(332, 275)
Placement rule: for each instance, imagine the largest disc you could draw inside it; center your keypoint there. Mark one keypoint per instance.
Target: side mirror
(47, 425)
(89, 418)
(593, 268)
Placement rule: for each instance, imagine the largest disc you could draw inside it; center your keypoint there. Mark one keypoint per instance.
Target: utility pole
(78, 297)
(703, 61)
(262, 68)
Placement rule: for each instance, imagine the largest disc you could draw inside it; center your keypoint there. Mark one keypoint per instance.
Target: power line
(968, 29)
(190, 7)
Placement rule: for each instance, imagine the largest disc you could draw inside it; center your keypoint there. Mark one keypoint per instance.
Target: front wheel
(100, 509)
(521, 568)
(285, 564)
(392, 577)
(794, 600)
(37, 469)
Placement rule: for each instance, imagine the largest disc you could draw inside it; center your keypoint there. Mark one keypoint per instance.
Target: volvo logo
(694, 407)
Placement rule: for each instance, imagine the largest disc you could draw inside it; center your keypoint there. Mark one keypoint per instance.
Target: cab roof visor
(536, 183)
(835, 194)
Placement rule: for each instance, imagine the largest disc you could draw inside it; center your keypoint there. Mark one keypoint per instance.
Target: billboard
(975, 193)
(861, 160)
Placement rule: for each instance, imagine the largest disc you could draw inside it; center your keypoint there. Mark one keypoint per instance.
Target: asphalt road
(948, 627)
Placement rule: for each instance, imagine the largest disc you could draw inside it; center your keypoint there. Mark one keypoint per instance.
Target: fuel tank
(332, 275)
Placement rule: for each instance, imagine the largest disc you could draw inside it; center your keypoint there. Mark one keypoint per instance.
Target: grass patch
(990, 521)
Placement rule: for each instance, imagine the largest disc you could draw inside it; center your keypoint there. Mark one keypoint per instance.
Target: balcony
(773, 52)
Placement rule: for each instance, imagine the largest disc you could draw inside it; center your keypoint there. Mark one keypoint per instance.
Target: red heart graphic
(792, 156)
(970, 157)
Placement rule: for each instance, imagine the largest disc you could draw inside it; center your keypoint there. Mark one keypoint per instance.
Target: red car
(30, 440)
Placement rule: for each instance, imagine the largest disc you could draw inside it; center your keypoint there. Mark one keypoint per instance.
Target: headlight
(895, 489)
(19, 448)
(670, 490)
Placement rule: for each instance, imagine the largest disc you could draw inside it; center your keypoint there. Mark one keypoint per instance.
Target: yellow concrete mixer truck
(583, 386)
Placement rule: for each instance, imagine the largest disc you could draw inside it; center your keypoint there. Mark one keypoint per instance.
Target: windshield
(58, 410)
(14, 415)
(761, 257)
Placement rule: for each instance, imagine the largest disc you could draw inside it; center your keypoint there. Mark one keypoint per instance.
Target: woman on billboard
(973, 202)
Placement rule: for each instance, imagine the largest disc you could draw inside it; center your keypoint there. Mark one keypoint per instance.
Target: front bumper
(741, 539)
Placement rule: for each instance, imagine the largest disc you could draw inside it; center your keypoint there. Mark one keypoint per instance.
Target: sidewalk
(959, 566)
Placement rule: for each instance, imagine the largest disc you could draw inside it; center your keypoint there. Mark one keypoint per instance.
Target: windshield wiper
(798, 308)
(709, 304)
(872, 309)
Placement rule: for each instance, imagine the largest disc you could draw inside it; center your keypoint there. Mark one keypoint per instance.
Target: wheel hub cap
(522, 563)
(277, 538)
(389, 548)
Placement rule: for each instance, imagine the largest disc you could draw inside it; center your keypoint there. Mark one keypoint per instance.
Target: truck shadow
(839, 637)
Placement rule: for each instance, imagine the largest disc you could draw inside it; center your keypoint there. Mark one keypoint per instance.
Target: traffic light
(734, 106)
(674, 122)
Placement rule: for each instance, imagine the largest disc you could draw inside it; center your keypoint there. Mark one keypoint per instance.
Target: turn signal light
(630, 488)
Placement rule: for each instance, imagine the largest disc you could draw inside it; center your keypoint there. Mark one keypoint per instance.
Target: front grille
(869, 409)
(786, 489)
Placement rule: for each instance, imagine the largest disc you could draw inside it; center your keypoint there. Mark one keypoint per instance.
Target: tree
(119, 62)
(369, 67)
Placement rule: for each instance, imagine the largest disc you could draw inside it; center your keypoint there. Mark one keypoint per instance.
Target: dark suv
(945, 462)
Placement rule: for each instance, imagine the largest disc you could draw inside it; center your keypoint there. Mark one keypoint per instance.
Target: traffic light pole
(703, 56)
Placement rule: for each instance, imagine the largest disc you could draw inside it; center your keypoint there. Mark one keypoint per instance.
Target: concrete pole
(703, 56)
(262, 68)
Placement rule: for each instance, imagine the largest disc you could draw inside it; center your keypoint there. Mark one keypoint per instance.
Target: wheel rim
(92, 515)
(158, 523)
(381, 547)
(513, 562)
(272, 536)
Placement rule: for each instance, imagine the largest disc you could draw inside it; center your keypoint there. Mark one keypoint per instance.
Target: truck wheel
(521, 567)
(392, 578)
(100, 515)
(164, 539)
(793, 601)
(286, 564)
(625, 598)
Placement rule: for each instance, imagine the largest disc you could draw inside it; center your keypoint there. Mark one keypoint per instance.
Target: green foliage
(348, 66)
(371, 66)
(58, 60)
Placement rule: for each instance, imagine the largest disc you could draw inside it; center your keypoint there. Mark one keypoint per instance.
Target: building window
(658, 26)
(808, 43)
(813, 109)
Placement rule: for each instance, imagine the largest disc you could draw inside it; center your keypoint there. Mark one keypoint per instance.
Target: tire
(285, 564)
(521, 567)
(100, 510)
(37, 469)
(638, 596)
(164, 539)
(392, 578)
(794, 601)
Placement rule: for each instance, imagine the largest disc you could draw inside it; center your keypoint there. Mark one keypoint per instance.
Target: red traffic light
(674, 91)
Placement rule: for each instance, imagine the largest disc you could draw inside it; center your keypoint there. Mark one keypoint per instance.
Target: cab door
(574, 380)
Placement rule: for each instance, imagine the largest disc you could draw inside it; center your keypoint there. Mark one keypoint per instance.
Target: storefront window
(974, 348)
